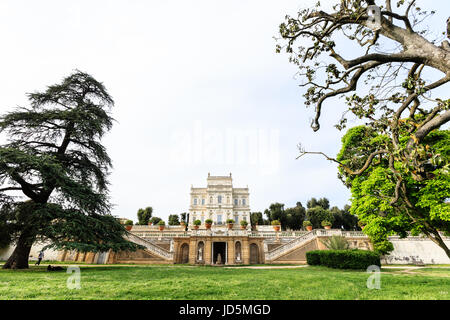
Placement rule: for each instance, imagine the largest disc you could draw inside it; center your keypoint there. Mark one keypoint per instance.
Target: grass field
(197, 283)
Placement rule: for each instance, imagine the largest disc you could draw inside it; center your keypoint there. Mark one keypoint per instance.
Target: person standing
(40, 257)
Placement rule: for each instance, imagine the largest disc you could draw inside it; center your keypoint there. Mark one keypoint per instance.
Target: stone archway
(254, 253)
(184, 253)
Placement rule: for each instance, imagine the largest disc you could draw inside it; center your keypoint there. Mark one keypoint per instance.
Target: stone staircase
(291, 245)
(151, 247)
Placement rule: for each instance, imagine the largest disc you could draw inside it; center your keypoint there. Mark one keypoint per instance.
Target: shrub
(325, 223)
(244, 223)
(197, 222)
(128, 223)
(313, 257)
(230, 221)
(307, 223)
(336, 243)
(161, 223)
(343, 259)
(208, 221)
(276, 223)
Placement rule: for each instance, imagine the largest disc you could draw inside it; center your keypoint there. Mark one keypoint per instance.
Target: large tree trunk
(19, 258)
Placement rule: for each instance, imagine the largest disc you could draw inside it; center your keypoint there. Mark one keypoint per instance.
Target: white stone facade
(219, 201)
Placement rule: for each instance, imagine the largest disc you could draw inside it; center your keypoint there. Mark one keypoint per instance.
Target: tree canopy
(375, 197)
(54, 171)
(394, 84)
(144, 215)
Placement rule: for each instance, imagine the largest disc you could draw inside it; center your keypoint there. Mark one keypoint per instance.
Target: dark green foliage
(276, 212)
(343, 259)
(144, 215)
(313, 257)
(173, 220)
(55, 158)
(155, 220)
(322, 202)
(318, 214)
(343, 218)
(256, 218)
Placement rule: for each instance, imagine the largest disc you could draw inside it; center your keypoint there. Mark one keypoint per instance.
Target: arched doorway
(254, 253)
(184, 258)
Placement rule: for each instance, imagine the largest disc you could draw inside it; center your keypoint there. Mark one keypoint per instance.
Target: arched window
(195, 201)
(203, 201)
(235, 202)
(219, 199)
(243, 202)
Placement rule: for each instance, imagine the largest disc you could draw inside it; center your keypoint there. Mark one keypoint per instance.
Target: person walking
(40, 257)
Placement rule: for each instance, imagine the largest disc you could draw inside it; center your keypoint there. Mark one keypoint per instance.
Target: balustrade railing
(151, 246)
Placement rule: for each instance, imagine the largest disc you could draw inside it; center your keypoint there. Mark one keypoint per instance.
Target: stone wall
(49, 254)
(415, 250)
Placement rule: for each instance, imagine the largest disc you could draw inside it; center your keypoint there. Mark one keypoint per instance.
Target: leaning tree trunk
(20, 255)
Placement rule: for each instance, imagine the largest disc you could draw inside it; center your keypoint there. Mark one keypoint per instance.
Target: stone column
(192, 250)
(230, 251)
(208, 251)
(245, 250)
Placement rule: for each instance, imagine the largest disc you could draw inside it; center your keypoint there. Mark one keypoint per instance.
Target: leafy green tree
(173, 220)
(276, 212)
(183, 216)
(144, 215)
(402, 104)
(256, 218)
(154, 220)
(322, 202)
(344, 219)
(318, 214)
(295, 216)
(387, 198)
(55, 159)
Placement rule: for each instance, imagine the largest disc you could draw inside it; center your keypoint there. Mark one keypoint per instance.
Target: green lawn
(196, 283)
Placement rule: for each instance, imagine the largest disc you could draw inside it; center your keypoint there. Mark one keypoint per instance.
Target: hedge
(343, 259)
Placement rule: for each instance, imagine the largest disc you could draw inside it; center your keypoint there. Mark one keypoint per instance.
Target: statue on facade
(219, 259)
(200, 254)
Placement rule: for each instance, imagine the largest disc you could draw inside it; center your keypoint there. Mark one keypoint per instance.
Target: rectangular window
(243, 202)
(235, 202)
(236, 219)
(219, 219)
(195, 201)
(203, 201)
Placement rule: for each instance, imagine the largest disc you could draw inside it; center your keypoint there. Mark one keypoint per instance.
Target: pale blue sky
(184, 75)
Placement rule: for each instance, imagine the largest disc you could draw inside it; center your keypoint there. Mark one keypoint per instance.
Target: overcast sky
(197, 86)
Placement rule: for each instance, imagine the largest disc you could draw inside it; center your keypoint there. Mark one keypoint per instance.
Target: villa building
(219, 201)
